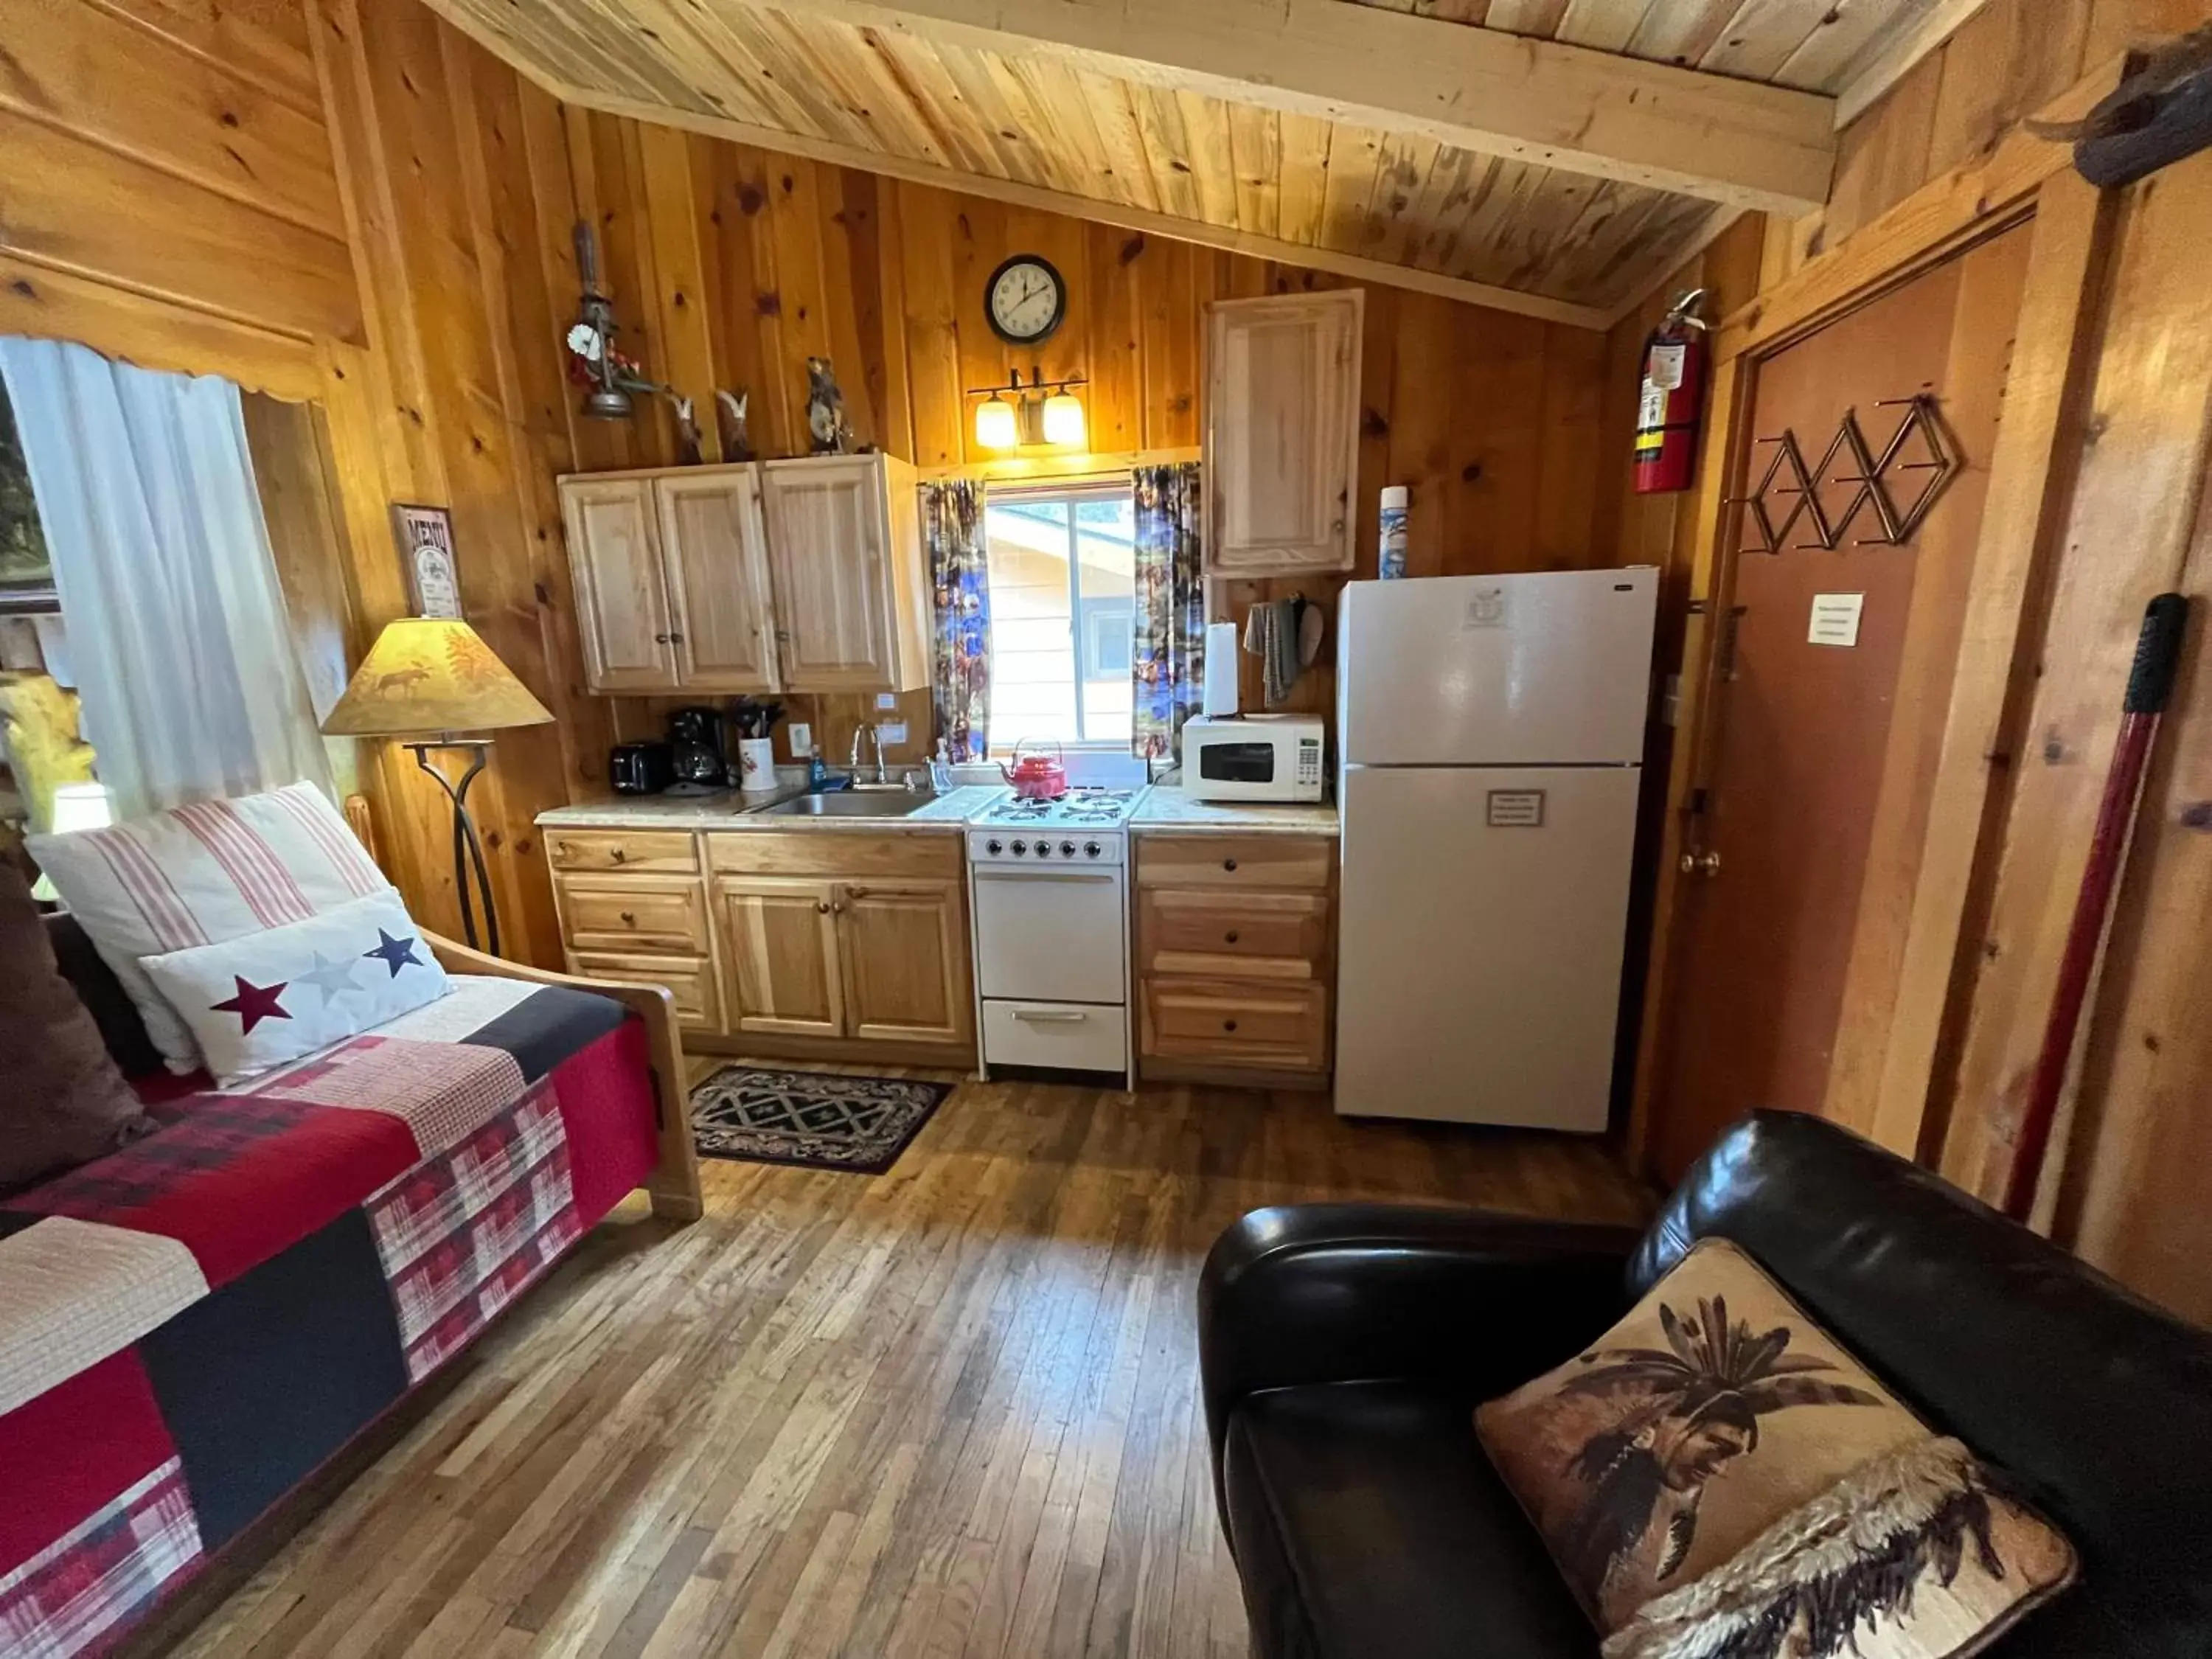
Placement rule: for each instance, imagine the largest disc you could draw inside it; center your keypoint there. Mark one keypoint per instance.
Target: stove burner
(1077, 806)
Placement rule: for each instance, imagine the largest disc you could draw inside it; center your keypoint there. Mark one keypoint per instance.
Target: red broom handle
(2158, 653)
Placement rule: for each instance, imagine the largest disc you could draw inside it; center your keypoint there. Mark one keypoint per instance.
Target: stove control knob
(994, 848)
(1067, 849)
(1020, 847)
(1091, 850)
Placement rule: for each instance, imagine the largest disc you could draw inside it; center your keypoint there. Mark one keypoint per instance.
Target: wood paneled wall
(2127, 1187)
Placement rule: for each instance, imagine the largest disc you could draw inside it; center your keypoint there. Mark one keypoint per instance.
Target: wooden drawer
(1235, 862)
(1237, 1022)
(837, 852)
(626, 914)
(641, 852)
(1270, 935)
(690, 980)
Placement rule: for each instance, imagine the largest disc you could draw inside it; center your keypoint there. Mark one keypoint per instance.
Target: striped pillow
(202, 874)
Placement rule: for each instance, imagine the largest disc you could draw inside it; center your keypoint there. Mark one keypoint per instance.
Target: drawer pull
(1051, 1016)
(821, 907)
(630, 918)
(1230, 938)
(616, 855)
(1229, 864)
(1228, 1025)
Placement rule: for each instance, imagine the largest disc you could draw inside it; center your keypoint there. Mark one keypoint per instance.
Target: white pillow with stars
(256, 1002)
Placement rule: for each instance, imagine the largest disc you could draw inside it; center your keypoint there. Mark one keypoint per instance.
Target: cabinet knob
(617, 855)
(783, 636)
(1230, 938)
(630, 918)
(821, 907)
(676, 639)
(1228, 1025)
(1229, 864)
(662, 639)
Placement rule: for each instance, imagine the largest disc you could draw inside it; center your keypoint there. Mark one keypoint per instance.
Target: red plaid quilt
(193, 1325)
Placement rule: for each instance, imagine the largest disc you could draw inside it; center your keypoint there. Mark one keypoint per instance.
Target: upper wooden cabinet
(851, 602)
(1282, 432)
(800, 575)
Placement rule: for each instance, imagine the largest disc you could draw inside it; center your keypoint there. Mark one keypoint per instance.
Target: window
(1063, 563)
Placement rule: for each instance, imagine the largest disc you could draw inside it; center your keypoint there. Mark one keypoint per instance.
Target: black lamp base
(468, 851)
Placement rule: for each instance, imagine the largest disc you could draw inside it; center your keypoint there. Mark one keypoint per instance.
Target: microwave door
(1239, 764)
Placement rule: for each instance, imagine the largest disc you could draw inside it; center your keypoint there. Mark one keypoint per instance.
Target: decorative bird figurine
(691, 447)
(825, 410)
(729, 409)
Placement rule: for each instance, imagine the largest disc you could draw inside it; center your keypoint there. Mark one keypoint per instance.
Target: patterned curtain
(1168, 661)
(959, 570)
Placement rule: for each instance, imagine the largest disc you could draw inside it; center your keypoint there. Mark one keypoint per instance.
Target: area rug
(817, 1120)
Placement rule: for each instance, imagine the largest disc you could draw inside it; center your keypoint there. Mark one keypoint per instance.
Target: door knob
(1701, 863)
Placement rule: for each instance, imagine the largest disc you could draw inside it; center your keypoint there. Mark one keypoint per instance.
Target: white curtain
(177, 627)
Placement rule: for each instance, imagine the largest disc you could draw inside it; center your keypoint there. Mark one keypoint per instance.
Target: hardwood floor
(949, 1411)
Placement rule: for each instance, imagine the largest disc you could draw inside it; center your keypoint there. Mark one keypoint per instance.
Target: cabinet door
(1282, 432)
(828, 548)
(716, 556)
(779, 943)
(905, 950)
(622, 593)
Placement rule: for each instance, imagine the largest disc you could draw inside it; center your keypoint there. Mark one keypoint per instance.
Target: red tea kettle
(1039, 776)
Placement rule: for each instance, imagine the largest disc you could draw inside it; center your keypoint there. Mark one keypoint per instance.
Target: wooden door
(715, 552)
(779, 943)
(1282, 432)
(904, 952)
(1790, 925)
(828, 548)
(621, 595)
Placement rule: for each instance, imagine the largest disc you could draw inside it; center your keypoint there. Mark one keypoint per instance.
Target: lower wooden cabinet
(690, 980)
(904, 953)
(779, 940)
(1235, 956)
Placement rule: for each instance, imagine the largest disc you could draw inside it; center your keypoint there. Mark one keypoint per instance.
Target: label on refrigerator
(1517, 809)
(1835, 619)
(1486, 609)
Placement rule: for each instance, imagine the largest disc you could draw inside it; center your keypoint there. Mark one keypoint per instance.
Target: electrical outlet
(802, 739)
(886, 699)
(891, 733)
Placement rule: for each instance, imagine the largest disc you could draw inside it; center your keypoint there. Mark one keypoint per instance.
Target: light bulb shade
(82, 806)
(995, 425)
(427, 675)
(1063, 421)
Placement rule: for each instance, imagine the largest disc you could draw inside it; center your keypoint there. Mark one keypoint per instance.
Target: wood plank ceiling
(1061, 130)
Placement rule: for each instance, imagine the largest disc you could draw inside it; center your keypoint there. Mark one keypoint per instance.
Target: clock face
(1025, 299)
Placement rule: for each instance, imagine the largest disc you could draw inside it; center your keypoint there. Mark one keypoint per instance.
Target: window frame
(1119, 487)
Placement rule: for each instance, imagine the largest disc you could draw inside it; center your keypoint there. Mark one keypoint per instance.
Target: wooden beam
(1537, 101)
(1891, 58)
(1067, 203)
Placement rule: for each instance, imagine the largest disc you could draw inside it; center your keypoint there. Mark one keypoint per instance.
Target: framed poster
(27, 575)
(426, 543)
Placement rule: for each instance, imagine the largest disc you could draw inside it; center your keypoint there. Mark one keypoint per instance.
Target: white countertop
(1167, 808)
(730, 810)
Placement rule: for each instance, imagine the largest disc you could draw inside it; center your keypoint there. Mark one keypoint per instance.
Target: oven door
(1050, 935)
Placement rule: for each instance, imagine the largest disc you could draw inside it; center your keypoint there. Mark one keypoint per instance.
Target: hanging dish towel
(1271, 633)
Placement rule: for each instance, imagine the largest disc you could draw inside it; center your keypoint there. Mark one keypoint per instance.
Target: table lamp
(76, 806)
(425, 679)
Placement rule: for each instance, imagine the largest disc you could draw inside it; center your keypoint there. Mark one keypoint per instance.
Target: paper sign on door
(1517, 809)
(1835, 618)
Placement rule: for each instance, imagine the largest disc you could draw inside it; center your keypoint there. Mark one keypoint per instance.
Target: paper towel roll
(1218, 695)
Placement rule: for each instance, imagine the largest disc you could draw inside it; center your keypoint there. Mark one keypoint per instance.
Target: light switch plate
(886, 699)
(891, 733)
(802, 739)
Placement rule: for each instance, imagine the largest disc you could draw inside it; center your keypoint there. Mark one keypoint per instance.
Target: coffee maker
(694, 738)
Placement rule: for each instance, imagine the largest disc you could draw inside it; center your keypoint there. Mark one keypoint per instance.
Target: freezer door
(1480, 949)
(1546, 670)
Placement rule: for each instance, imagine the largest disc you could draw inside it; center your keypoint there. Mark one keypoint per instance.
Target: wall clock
(1025, 299)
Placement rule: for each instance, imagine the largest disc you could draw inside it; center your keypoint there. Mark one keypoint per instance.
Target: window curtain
(960, 572)
(1167, 662)
(177, 627)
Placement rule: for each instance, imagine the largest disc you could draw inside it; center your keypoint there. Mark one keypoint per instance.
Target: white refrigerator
(1490, 741)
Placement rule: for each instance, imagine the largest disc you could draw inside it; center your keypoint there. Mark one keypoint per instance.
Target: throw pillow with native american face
(1716, 1463)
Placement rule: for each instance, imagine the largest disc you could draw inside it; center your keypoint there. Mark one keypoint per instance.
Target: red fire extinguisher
(1674, 400)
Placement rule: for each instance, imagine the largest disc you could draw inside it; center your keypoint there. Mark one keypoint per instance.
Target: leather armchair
(1343, 1347)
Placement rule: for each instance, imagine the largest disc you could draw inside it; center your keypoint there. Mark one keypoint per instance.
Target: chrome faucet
(883, 774)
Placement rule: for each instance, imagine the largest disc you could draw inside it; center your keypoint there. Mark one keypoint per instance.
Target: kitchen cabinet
(1282, 433)
(797, 576)
(780, 956)
(1235, 956)
(633, 908)
(904, 954)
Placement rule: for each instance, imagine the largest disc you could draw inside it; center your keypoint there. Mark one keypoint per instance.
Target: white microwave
(1252, 757)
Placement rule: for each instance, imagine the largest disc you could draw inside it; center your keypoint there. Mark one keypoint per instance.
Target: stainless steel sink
(849, 804)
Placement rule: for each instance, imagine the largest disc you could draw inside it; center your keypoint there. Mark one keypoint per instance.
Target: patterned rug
(819, 1120)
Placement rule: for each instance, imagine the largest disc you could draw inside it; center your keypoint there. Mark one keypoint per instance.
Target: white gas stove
(1051, 904)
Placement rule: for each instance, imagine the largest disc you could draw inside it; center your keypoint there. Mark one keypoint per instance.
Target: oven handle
(994, 872)
(1051, 1016)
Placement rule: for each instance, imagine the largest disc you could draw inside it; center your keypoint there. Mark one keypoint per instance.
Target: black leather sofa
(1344, 1346)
